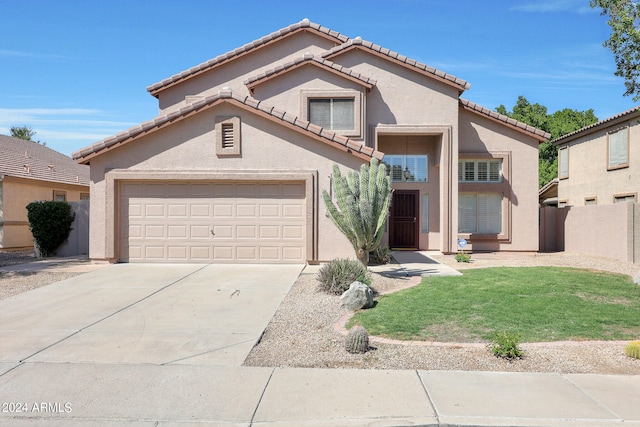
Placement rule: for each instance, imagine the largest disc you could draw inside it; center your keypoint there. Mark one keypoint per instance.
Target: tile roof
(540, 135)
(309, 59)
(329, 137)
(592, 127)
(412, 64)
(303, 25)
(27, 159)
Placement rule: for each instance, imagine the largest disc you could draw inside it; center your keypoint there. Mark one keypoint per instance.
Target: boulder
(636, 279)
(357, 296)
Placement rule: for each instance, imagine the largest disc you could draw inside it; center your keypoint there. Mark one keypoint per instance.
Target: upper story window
(618, 149)
(480, 170)
(407, 168)
(339, 110)
(332, 113)
(563, 162)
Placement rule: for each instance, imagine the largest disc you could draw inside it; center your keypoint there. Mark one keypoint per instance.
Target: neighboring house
(600, 164)
(548, 195)
(233, 168)
(28, 172)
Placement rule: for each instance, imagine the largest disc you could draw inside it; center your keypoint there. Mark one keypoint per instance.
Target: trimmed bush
(633, 349)
(336, 276)
(50, 223)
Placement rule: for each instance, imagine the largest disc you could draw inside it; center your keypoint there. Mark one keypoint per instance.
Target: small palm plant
(363, 203)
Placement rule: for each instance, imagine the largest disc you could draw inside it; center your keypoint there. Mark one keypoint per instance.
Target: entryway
(403, 224)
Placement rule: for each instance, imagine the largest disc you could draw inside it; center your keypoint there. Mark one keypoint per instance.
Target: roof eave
(595, 127)
(521, 127)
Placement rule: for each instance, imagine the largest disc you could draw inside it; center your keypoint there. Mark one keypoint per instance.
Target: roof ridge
(308, 58)
(412, 63)
(596, 124)
(305, 23)
(502, 118)
(226, 93)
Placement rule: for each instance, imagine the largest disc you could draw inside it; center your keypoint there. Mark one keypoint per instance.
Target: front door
(403, 227)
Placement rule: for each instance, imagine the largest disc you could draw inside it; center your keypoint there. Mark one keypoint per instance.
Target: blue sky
(76, 71)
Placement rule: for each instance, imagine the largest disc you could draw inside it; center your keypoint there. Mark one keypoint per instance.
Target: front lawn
(540, 303)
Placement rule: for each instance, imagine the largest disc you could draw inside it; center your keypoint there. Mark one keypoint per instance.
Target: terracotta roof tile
(358, 42)
(309, 59)
(42, 163)
(305, 23)
(591, 127)
(540, 135)
(84, 155)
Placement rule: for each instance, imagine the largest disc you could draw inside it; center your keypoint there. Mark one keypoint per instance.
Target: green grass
(539, 303)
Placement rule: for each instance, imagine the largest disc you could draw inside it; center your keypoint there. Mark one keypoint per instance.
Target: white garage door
(256, 222)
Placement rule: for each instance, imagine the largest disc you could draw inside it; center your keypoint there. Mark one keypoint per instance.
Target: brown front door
(403, 227)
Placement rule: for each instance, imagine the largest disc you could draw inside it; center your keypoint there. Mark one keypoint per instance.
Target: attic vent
(227, 135)
(50, 167)
(26, 168)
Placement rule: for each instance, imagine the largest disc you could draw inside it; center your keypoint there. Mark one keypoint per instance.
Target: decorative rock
(636, 279)
(357, 296)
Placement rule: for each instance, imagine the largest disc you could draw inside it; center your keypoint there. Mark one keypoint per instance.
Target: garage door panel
(177, 232)
(212, 222)
(223, 210)
(154, 232)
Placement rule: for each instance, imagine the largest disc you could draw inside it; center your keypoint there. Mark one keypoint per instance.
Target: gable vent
(227, 135)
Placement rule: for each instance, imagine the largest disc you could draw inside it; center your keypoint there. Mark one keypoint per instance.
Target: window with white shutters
(480, 171)
(480, 213)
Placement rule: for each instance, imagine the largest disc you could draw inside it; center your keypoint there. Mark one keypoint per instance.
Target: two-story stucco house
(233, 167)
(599, 164)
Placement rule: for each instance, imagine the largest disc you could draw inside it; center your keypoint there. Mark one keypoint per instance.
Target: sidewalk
(79, 394)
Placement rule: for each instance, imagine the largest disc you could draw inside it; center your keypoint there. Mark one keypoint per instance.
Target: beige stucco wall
(189, 146)
(520, 179)
(17, 193)
(234, 73)
(615, 221)
(588, 174)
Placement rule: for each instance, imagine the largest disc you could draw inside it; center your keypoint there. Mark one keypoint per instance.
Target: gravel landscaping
(307, 331)
(15, 282)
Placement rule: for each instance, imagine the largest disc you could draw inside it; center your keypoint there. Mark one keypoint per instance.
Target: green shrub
(506, 345)
(336, 276)
(463, 257)
(633, 349)
(50, 223)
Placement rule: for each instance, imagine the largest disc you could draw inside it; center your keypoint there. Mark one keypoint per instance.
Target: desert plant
(357, 340)
(336, 276)
(506, 345)
(382, 255)
(363, 203)
(50, 223)
(462, 256)
(633, 349)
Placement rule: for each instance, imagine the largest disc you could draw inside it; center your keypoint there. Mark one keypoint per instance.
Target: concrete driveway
(149, 314)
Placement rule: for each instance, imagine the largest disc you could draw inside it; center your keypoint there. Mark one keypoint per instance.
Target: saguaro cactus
(363, 203)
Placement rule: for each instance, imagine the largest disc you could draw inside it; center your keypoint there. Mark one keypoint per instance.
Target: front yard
(542, 304)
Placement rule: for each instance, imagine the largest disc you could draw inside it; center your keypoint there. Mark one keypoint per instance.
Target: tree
(363, 203)
(557, 124)
(24, 132)
(624, 42)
